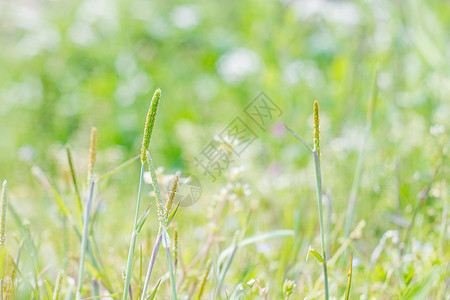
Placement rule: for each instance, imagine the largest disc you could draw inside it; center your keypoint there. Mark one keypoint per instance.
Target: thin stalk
(170, 265)
(153, 257)
(133, 237)
(3, 213)
(151, 264)
(58, 284)
(163, 223)
(349, 280)
(359, 166)
(205, 277)
(34, 259)
(223, 271)
(356, 183)
(75, 185)
(319, 203)
(84, 238)
(118, 168)
(140, 272)
(316, 156)
(423, 198)
(175, 250)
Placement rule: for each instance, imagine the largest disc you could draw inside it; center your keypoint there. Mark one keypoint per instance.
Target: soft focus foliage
(69, 65)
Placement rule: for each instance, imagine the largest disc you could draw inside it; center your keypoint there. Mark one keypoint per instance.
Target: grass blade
(359, 166)
(151, 263)
(75, 186)
(202, 286)
(226, 267)
(87, 211)
(166, 245)
(155, 290)
(349, 282)
(84, 239)
(133, 238)
(120, 167)
(254, 239)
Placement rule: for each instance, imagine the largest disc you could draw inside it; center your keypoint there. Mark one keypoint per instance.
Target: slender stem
(349, 280)
(355, 185)
(75, 185)
(422, 200)
(205, 277)
(163, 222)
(359, 166)
(84, 238)
(298, 138)
(319, 203)
(120, 167)
(169, 263)
(152, 261)
(151, 264)
(34, 260)
(133, 238)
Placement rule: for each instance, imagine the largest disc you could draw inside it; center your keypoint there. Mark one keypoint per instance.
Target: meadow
(224, 150)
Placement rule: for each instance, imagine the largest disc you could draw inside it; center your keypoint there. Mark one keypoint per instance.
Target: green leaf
(421, 289)
(172, 214)
(3, 263)
(316, 254)
(59, 200)
(142, 219)
(349, 281)
(153, 293)
(254, 239)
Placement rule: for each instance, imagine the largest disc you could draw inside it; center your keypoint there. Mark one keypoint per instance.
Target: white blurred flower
(251, 282)
(341, 12)
(236, 172)
(185, 17)
(238, 64)
(82, 34)
(437, 129)
(356, 262)
(306, 71)
(26, 153)
(263, 248)
(42, 37)
(125, 64)
(102, 12)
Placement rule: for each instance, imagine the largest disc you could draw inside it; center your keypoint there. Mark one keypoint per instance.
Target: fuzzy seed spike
(316, 128)
(92, 153)
(172, 193)
(3, 220)
(149, 124)
(175, 247)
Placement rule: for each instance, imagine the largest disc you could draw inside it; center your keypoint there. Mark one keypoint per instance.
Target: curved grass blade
(254, 239)
(75, 186)
(349, 282)
(202, 286)
(117, 169)
(155, 290)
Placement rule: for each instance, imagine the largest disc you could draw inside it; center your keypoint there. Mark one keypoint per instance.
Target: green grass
(372, 199)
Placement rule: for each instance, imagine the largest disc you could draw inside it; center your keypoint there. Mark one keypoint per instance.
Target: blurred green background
(66, 66)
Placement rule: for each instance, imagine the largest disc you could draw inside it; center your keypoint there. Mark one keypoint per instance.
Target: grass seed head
(3, 220)
(316, 128)
(149, 124)
(172, 193)
(92, 153)
(175, 245)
